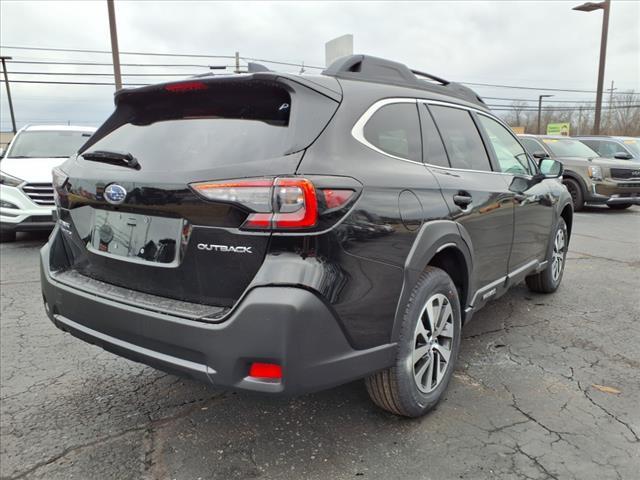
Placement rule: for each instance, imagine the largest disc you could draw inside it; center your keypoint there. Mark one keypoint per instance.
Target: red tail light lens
(265, 370)
(296, 203)
(280, 203)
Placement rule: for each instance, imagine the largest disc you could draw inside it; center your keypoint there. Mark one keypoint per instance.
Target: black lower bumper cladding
(287, 326)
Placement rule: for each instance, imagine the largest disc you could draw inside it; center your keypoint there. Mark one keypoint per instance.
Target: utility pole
(579, 119)
(540, 97)
(6, 83)
(610, 108)
(114, 45)
(590, 7)
(237, 62)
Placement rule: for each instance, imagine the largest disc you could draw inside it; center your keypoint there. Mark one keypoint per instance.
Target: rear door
(147, 225)
(533, 202)
(478, 197)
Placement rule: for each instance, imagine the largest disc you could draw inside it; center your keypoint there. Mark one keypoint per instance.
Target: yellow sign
(518, 130)
(558, 129)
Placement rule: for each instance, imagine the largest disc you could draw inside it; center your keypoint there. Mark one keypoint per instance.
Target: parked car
(621, 148)
(287, 233)
(26, 193)
(588, 177)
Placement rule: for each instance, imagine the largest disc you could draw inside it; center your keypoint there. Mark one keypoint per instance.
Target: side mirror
(550, 168)
(623, 156)
(540, 155)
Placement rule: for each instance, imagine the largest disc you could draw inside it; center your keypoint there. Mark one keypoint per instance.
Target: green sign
(558, 129)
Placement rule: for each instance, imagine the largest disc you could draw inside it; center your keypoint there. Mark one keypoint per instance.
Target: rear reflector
(265, 370)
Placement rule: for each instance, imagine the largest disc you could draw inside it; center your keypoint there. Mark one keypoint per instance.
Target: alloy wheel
(557, 261)
(432, 343)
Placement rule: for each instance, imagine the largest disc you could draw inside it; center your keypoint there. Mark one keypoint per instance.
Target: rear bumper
(285, 325)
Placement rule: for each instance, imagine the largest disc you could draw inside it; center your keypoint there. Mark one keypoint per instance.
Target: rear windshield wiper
(112, 158)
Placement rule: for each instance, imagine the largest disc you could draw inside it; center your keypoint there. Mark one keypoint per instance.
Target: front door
(533, 201)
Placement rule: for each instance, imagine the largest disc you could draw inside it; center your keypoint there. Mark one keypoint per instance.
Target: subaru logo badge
(115, 194)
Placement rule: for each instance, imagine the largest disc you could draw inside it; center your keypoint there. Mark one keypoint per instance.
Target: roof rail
(373, 69)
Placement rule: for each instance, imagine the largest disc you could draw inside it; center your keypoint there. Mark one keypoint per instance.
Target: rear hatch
(130, 214)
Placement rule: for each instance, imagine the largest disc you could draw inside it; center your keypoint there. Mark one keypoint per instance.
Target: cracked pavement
(526, 401)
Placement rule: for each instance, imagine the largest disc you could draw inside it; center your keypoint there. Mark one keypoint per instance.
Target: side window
(594, 145)
(432, 147)
(395, 129)
(461, 138)
(531, 145)
(510, 154)
(609, 149)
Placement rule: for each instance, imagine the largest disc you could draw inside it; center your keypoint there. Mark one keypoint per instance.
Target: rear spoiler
(334, 93)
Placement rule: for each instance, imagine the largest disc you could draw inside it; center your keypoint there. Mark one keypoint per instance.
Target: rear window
(47, 144)
(213, 124)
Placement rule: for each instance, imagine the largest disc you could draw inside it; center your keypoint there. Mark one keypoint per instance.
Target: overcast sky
(537, 44)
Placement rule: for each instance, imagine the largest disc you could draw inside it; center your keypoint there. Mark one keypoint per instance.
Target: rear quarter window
(395, 129)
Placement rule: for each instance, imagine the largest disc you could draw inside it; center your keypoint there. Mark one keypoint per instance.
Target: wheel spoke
(433, 312)
(445, 314)
(442, 351)
(429, 374)
(419, 353)
(447, 330)
(419, 375)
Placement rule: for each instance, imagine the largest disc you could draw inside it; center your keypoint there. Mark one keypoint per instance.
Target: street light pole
(115, 52)
(590, 7)
(540, 97)
(6, 83)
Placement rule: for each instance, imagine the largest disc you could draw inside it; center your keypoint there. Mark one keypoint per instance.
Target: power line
(51, 82)
(104, 74)
(249, 59)
(190, 65)
(79, 50)
(276, 62)
(531, 88)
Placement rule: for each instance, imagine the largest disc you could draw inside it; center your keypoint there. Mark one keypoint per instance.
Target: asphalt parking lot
(546, 387)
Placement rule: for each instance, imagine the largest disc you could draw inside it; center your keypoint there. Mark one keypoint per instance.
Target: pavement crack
(536, 462)
(636, 438)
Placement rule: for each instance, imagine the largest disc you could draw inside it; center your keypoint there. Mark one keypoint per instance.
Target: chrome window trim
(357, 131)
(480, 112)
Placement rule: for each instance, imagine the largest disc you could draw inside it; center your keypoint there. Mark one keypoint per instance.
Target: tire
(575, 190)
(396, 389)
(7, 236)
(619, 206)
(548, 280)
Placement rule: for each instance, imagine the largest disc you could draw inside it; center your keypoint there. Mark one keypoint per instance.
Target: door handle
(462, 199)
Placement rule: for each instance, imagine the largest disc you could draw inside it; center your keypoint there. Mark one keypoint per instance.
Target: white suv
(26, 192)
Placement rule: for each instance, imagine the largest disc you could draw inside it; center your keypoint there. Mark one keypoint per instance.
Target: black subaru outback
(284, 233)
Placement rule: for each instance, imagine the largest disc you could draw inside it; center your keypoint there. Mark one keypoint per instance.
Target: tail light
(285, 203)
